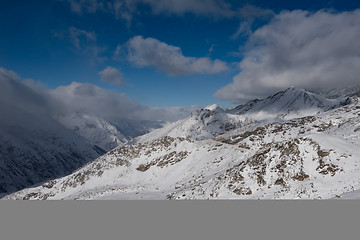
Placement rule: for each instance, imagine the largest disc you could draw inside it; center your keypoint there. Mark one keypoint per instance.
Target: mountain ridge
(307, 156)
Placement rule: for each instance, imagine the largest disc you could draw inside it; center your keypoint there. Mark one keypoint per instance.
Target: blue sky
(199, 58)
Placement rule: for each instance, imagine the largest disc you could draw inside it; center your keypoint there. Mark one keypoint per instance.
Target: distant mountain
(334, 93)
(103, 117)
(290, 103)
(305, 146)
(34, 147)
(43, 137)
(95, 129)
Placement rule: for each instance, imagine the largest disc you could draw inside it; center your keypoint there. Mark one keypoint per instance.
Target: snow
(277, 151)
(213, 107)
(95, 129)
(350, 195)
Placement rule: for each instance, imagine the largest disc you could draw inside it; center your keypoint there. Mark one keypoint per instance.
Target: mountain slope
(34, 147)
(334, 93)
(212, 120)
(290, 103)
(95, 129)
(306, 157)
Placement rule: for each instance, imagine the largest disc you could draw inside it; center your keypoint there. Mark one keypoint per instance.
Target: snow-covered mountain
(93, 128)
(213, 121)
(290, 103)
(334, 93)
(34, 147)
(45, 134)
(103, 133)
(104, 118)
(305, 147)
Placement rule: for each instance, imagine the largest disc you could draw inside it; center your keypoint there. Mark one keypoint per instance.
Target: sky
(163, 53)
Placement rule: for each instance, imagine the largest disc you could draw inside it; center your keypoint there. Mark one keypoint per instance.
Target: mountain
(290, 103)
(103, 133)
(105, 118)
(48, 133)
(93, 128)
(305, 147)
(213, 121)
(334, 93)
(34, 147)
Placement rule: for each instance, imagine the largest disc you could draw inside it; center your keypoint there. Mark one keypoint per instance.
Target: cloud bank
(112, 106)
(150, 52)
(20, 102)
(298, 48)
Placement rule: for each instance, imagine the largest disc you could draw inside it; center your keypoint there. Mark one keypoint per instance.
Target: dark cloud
(34, 147)
(150, 52)
(19, 103)
(298, 48)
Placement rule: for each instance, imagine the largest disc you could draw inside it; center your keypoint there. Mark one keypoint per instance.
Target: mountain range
(294, 144)
(41, 138)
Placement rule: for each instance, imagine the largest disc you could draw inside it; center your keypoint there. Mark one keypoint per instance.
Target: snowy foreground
(292, 145)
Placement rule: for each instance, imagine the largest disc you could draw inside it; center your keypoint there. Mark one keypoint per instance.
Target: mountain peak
(213, 107)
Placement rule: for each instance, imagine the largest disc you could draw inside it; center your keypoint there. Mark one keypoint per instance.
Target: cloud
(19, 104)
(7, 75)
(126, 9)
(85, 43)
(252, 12)
(81, 6)
(248, 14)
(150, 52)
(110, 105)
(19, 101)
(215, 8)
(112, 76)
(76, 36)
(298, 48)
(88, 98)
(33, 109)
(244, 29)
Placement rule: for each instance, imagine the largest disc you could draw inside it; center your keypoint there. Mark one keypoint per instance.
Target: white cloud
(112, 106)
(298, 48)
(112, 76)
(150, 52)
